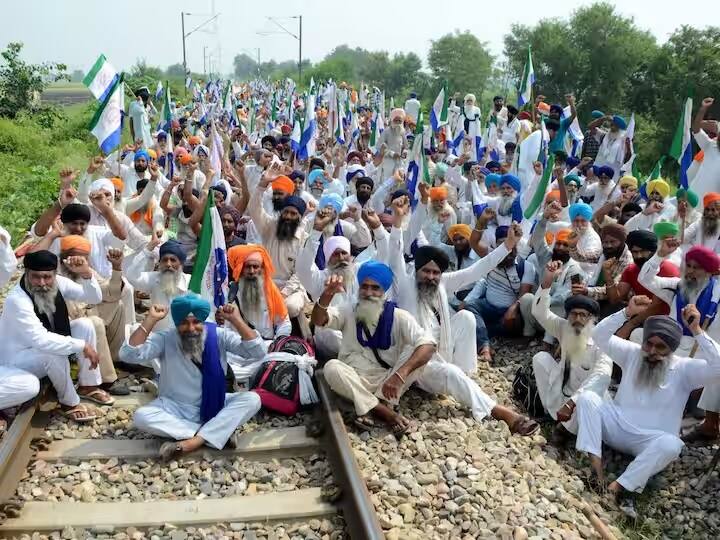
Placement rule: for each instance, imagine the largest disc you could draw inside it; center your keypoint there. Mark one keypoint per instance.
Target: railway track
(73, 468)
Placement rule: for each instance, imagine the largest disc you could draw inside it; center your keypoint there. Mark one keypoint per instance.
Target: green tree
(244, 66)
(21, 83)
(462, 60)
(175, 71)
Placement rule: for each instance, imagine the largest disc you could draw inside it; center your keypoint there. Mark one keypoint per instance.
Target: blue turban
(572, 161)
(493, 164)
(580, 209)
(314, 175)
(296, 202)
(573, 179)
(619, 121)
(441, 169)
(331, 199)
(161, 135)
(173, 247)
(511, 180)
(484, 170)
(604, 170)
(222, 189)
(501, 232)
(557, 108)
(377, 271)
(395, 194)
(597, 114)
(492, 178)
(189, 304)
(142, 154)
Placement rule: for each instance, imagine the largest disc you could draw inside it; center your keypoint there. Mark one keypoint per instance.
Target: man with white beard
(393, 144)
(337, 252)
(469, 118)
(600, 190)
(37, 336)
(192, 407)
(167, 282)
(700, 286)
(585, 244)
(383, 348)
(581, 366)
(440, 216)
(612, 150)
(424, 292)
(507, 204)
(644, 417)
(706, 231)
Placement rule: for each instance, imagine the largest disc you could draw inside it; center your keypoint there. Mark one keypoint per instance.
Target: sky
(75, 32)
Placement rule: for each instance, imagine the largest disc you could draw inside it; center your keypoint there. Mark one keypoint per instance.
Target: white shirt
(706, 179)
(8, 262)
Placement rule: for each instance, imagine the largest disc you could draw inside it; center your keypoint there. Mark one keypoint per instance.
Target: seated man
(581, 366)
(644, 417)
(705, 231)
(37, 336)
(585, 244)
(656, 208)
(192, 407)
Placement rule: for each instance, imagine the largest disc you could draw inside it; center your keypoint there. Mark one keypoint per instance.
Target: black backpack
(525, 391)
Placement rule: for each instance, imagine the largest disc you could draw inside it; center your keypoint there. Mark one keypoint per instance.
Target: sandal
(97, 395)
(364, 422)
(74, 414)
(169, 449)
(700, 436)
(524, 426)
(116, 388)
(400, 427)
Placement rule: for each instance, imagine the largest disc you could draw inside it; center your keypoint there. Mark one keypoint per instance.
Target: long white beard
(574, 344)
(44, 298)
(690, 290)
(193, 345)
(250, 294)
(329, 229)
(169, 281)
(368, 311)
(650, 375)
(435, 214)
(506, 202)
(469, 110)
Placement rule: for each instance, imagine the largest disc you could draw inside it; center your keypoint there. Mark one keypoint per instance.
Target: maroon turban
(704, 257)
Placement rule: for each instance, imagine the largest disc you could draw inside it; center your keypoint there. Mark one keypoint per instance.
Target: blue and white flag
(439, 111)
(101, 78)
(306, 146)
(159, 90)
(106, 125)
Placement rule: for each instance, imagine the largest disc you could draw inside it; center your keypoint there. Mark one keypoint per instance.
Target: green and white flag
(210, 273)
(101, 78)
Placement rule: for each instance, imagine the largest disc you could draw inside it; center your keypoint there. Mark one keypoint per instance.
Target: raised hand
(486, 216)
(370, 218)
(78, 266)
(707, 102)
(667, 246)
(424, 190)
(608, 264)
(157, 312)
(691, 318)
(637, 304)
(514, 235)
(552, 209)
(95, 163)
(115, 257)
(58, 228)
(67, 196)
(552, 269)
(538, 168)
(323, 218)
(333, 286)
(155, 240)
(67, 176)
(154, 170)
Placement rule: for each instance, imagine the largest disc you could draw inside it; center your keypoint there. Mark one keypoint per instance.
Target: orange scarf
(147, 216)
(237, 256)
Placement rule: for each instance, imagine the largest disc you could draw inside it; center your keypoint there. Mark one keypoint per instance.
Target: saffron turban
(614, 230)
(663, 327)
(237, 255)
(142, 154)
(704, 257)
(117, 183)
(460, 229)
(194, 140)
(332, 244)
(710, 198)
(663, 229)
(189, 304)
(102, 184)
(75, 242)
(689, 195)
(172, 247)
(75, 212)
(553, 195)
(185, 159)
(562, 235)
(438, 193)
(333, 200)
(295, 202)
(41, 261)
(376, 271)
(284, 184)
(659, 185)
(581, 209)
(492, 178)
(510, 180)
(426, 254)
(629, 181)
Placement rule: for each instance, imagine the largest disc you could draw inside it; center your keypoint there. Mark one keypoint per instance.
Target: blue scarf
(320, 255)
(704, 304)
(382, 338)
(213, 376)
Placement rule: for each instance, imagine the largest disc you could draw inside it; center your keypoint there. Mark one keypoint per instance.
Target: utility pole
(182, 20)
(300, 53)
(286, 31)
(204, 60)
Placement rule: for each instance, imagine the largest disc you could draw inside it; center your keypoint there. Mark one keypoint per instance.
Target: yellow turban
(152, 153)
(629, 181)
(659, 185)
(461, 229)
(75, 242)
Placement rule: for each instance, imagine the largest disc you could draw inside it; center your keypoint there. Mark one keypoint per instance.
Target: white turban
(397, 113)
(102, 184)
(334, 243)
(470, 96)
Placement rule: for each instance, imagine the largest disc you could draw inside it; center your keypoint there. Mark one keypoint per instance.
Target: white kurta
(705, 180)
(176, 411)
(8, 262)
(16, 386)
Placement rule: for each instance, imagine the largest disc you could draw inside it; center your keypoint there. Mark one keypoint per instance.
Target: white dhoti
(127, 298)
(327, 342)
(57, 367)
(439, 377)
(363, 390)
(16, 386)
(547, 371)
(600, 421)
(167, 418)
(462, 329)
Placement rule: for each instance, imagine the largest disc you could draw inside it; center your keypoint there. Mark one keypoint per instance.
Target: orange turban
(438, 193)
(461, 229)
(710, 198)
(237, 255)
(75, 242)
(194, 140)
(563, 235)
(118, 183)
(553, 195)
(284, 184)
(152, 153)
(186, 159)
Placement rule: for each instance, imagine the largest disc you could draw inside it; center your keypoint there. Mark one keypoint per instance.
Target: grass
(31, 156)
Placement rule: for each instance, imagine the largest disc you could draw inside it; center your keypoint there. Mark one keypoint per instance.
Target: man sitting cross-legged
(581, 366)
(644, 417)
(192, 406)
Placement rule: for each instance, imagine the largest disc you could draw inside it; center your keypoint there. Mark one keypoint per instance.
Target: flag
(106, 125)
(630, 164)
(101, 78)
(545, 142)
(417, 168)
(307, 138)
(354, 130)
(476, 151)
(526, 82)
(210, 273)
(338, 120)
(539, 194)
(188, 81)
(158, 90)
(681, 148)
(439, 111)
